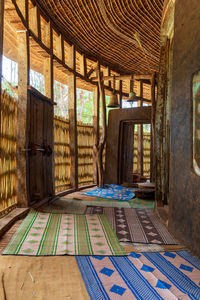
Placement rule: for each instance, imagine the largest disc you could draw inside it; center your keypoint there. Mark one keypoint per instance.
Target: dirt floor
(42, 278)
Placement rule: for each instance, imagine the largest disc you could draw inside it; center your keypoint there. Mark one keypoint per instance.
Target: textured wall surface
(184, 194)
(112, 143)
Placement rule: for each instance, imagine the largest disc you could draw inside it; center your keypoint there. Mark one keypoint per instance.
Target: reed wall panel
(146, 154)
(135, 155)
(85, 153)
(61, 154)
(8, 178)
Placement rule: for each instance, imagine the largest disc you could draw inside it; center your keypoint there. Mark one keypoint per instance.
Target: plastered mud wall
(184, 187)
(116, 116)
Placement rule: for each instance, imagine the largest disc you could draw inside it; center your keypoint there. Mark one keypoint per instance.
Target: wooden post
(120, 93)
(1, 48)
(108, 74)
(49, 139)
(140, 138)
(95, 129)
(48, 64)
(38, 24)
(159, 128)
(21, 136)
(72, 118)
(153, 113)
(98, 150)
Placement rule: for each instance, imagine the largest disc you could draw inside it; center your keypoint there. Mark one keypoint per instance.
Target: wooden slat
(124, 77)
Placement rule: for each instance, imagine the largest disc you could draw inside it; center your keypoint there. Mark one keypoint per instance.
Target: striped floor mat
(135, 225)
(166, 275)
(99, 202)
(140, 203)
(59, 234)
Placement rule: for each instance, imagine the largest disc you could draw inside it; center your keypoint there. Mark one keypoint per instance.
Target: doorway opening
(135, 152)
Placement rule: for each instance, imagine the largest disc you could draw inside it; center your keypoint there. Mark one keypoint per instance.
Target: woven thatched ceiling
(124, 33)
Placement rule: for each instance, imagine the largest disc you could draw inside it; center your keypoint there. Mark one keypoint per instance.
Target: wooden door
(127, 152)
(40, 145)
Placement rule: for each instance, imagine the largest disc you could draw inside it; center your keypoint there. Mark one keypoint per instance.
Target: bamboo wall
(61, 151)
(104, 150)
(8, 198)
(146, 154)
(61, 154)
(85, 153)
(135, 158)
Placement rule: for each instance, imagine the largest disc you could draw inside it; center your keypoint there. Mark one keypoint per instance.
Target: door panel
(40, 142)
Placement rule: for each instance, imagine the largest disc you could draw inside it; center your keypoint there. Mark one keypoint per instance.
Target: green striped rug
(59, 234)
(139, 203)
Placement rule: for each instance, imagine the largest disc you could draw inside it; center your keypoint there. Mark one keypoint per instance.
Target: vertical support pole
(120, 93)
(73, 118)
(95, 129)
(63, 48)
(153, 113)
(48, 90)
(38, 24)
(141, 134)
(99, 148)
(159, 128)
(140, 137)
(1, 47)
(21, 136)
(108, 74)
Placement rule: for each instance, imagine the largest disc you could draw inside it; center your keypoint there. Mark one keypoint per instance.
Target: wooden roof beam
(124, 77)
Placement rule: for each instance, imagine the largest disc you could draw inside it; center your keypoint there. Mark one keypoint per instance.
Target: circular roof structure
(122, 33)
